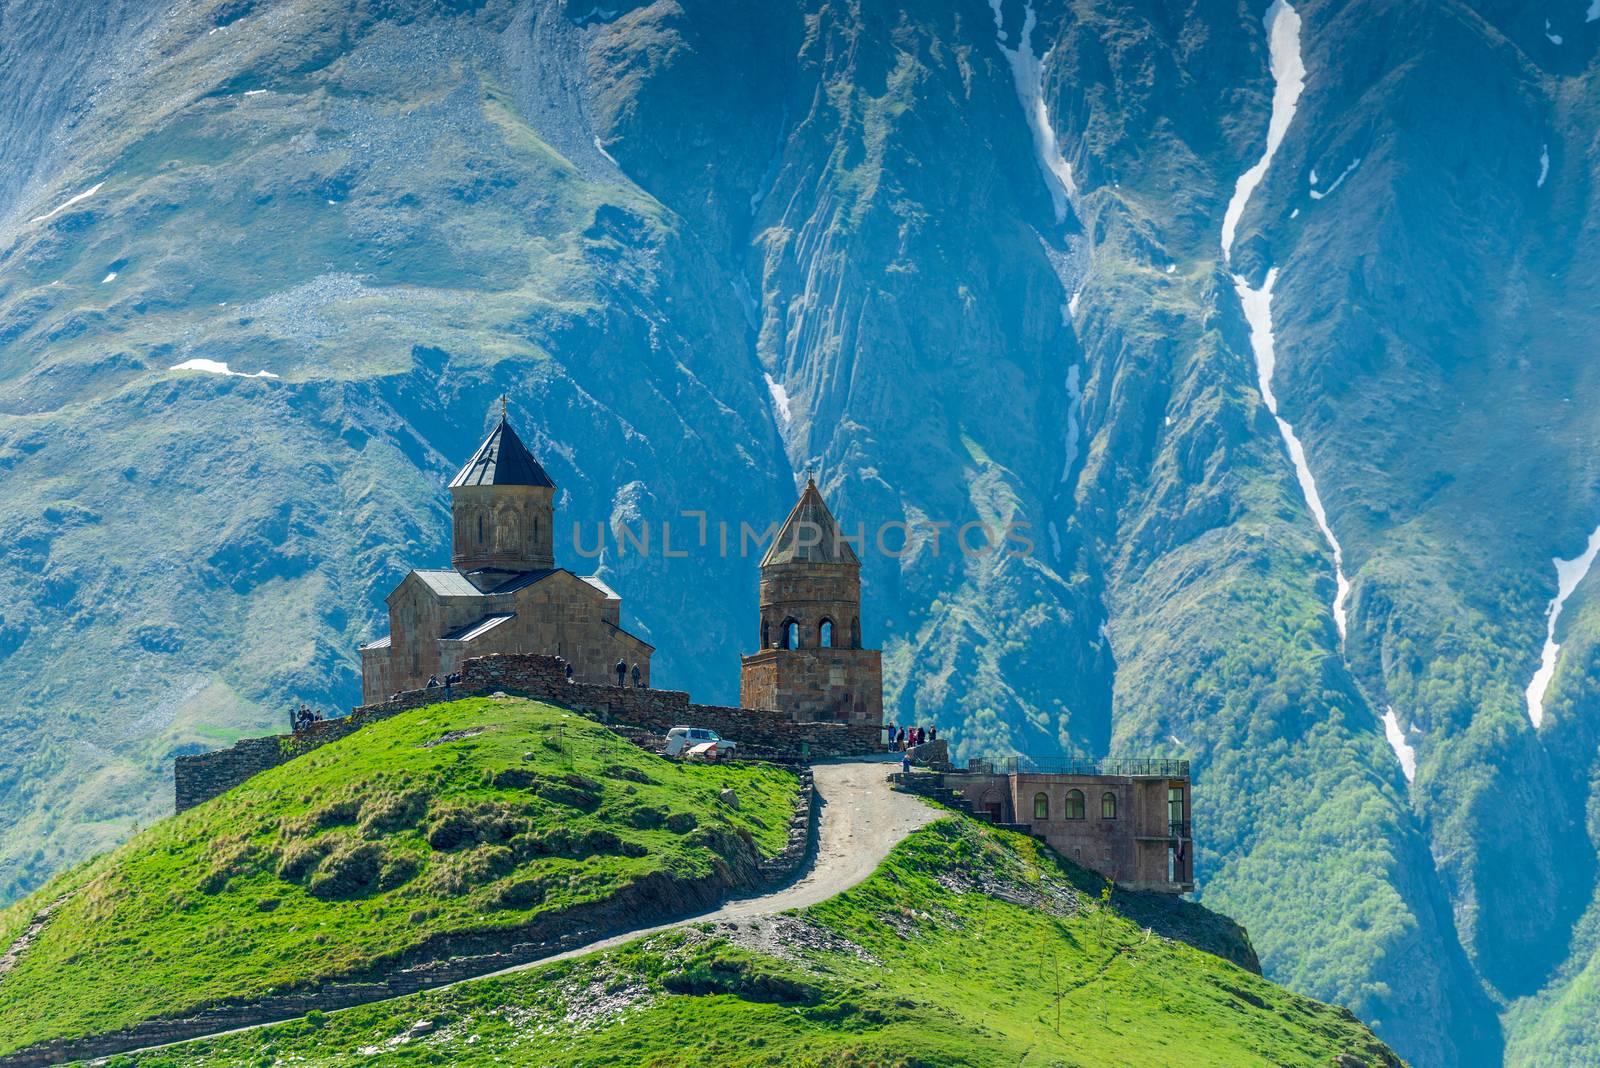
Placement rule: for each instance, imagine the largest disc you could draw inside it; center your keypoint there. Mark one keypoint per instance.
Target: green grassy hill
(443, 822)
(969, 946)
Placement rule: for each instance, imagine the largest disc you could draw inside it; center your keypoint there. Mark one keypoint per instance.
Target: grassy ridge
(452, 818)
(953, 953)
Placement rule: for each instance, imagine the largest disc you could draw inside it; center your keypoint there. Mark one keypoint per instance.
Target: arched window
(1108, 806)
(764, 638)
(791, 634)
(1074, 805)
(826, 630)
(1041, 806)
(855, 633)
(480, 528)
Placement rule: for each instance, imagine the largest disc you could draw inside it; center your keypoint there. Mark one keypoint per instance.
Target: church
(502, 592)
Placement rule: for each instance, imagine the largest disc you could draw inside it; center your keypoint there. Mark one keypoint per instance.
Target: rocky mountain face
(1264, 331)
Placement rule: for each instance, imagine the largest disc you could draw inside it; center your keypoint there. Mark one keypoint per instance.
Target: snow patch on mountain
(1553, 38)
(1288, 79)
(1594, 11)
(1288, 72)
(1568, 574)
(1074, 407)
(1544, 159)
(112, 277)
(598, 147)
(1257, 304)
(1318, 194)
(217, 367)
(780, 401)
(58, 209)
(1027, 74)
(1403, 751)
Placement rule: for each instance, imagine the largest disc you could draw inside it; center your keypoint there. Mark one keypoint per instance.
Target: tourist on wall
(636, 676)
(622, 673)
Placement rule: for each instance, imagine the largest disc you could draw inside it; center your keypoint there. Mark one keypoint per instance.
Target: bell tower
(811, 663)
(502, 509)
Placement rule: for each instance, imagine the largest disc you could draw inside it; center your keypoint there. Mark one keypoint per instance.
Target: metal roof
(481, 627)
(502, 460)
(381, 643)
(448, 583)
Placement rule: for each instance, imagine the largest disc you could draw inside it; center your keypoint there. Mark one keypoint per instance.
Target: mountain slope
(920, 964)
(963, 259)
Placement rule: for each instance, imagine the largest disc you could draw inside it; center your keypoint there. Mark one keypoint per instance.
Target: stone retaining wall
(450, 958)
(204, 776)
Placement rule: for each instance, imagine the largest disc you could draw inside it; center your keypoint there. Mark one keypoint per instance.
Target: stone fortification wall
(204, 776)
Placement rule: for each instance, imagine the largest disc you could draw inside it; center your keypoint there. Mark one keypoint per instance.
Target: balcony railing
(1166, 769)
(1178, 829)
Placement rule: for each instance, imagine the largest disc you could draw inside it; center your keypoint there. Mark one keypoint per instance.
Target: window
(1175, 804)
(480, 528)
(791, 634)
(826, 630)
(855, 633)
(1074, 804)
(1108, 806)
(1041, 806)
(764, 638)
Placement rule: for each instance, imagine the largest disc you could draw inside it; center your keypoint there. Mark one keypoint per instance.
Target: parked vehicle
(699, 742)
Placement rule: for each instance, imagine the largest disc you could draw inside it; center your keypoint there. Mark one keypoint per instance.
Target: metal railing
(1178, 829)
(1168, 769)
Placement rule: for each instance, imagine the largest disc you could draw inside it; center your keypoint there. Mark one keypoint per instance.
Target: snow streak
(780, 401)
(53, 212)
(1544, 159)
(217, 367)
(1403, 752)
(1568, 574)
(1288, 72)
(1288, 78)
(1318, 194)
(1027, 73)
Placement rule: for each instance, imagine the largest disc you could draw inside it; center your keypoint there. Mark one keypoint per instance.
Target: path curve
(861, 819)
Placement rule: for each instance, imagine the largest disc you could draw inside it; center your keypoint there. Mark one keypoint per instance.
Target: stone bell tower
(502, 508)
(811, 663)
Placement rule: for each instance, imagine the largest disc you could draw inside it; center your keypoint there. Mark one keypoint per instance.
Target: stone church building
(811, 663)
(503, 592)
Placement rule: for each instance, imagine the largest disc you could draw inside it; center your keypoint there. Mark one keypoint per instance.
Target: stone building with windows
(503, 592)
(811, 663)
(1127, 820)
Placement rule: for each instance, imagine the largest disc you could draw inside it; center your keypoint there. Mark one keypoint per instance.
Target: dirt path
(861, 820)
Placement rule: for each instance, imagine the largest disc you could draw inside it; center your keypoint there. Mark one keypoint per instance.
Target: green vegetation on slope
(470, 816)
(958, 951)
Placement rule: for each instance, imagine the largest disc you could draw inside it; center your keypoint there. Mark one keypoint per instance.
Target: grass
(459, 817)
(959, 950)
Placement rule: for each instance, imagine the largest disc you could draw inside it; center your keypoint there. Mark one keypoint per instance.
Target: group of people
(903, 738)
(622, 674)
(303, 717)
(450, 681)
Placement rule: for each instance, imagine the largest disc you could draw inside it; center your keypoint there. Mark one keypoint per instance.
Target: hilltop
(452, 840)
(448, 830)
(959, 951)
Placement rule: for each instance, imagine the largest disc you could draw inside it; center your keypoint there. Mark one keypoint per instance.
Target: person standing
(622, 673)
(635, 676)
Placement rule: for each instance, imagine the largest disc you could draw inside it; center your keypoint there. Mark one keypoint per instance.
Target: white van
(698, 742)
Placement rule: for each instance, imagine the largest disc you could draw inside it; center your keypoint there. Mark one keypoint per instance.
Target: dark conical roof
(810, 535)
(502, 460)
